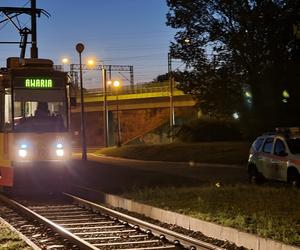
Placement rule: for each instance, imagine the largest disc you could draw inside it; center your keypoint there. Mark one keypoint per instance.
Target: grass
(10, 240)
(210, 152)
(270, 212)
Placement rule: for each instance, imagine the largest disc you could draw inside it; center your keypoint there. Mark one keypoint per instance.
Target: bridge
(134, 98)
(144, 113)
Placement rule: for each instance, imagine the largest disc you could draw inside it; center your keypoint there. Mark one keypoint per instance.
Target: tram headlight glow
(60, 152)
(22, 153)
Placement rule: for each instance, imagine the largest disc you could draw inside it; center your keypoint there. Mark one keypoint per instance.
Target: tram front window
(40, 110)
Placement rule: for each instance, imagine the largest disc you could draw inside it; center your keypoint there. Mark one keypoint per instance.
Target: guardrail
(130, 90)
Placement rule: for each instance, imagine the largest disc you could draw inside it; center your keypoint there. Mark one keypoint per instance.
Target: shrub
(206, 130)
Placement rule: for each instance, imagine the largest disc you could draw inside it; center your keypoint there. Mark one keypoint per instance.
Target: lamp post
(117, 85)
(171, 85)
(91, 63)
(79, 49)
(105, 109)
(65, 61)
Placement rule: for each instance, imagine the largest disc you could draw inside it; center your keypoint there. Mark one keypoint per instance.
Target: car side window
(279, 148)
(257, 144)
(267, 148)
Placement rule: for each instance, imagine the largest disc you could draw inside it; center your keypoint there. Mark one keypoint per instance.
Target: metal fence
(131, 90)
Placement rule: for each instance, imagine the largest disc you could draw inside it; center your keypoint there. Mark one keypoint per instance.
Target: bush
(206, 130)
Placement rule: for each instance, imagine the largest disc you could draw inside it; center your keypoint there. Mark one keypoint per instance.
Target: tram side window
(7, 111)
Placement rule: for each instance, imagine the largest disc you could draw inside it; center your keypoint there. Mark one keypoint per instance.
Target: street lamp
(65, 60)
(117, 85)
(79, 49)
(92, 63)
(171, 86)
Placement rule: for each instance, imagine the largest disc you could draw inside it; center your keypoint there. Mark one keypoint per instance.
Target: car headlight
(59, 150)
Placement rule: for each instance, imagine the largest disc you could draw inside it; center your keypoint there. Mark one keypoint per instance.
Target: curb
(210, 229)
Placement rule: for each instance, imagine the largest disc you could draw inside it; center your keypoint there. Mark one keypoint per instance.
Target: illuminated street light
(285, 94)
(236, 115)
(109, 84)
(187, 40)
(248, 94)
(65, 60)
(91, 62)
(117, 84)
(79, 49)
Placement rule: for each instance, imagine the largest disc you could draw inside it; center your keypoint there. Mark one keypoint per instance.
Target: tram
(34, 116)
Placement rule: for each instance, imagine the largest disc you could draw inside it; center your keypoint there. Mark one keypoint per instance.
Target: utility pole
(11, 14)
(34, 48)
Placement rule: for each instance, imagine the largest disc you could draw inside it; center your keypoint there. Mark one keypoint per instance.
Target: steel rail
(177, 238)
(58, 229)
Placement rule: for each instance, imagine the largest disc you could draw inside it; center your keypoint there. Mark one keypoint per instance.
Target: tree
(162, 78)
(217, 94)
(242, 42)
(165, 77)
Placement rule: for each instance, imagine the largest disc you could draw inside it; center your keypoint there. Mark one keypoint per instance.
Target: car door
(265, 158)
(279, 161)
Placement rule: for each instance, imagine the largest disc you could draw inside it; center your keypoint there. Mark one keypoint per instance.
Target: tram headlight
(23, 150)
(59, 150)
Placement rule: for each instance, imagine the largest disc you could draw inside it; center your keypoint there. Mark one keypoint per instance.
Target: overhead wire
(26, 3)
(19, 22)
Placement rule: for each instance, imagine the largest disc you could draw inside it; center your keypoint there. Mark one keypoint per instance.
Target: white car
(275, 156)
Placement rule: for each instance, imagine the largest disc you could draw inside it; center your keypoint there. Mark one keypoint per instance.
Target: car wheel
(254, 176)
(294, 179)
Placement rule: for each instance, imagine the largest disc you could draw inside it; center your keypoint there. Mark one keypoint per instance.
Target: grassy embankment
(213, 152)
(9, 240)
(270, 212)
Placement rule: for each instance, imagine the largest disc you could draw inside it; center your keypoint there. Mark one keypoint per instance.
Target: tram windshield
(39, 110)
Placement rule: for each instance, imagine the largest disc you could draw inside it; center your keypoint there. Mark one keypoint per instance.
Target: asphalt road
(116, 175)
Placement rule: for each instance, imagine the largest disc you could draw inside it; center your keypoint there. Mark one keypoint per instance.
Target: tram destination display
(42, 82)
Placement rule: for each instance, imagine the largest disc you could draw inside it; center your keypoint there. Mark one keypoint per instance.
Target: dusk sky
(129, 32)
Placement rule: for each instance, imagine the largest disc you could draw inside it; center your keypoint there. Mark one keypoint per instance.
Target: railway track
(81, 224)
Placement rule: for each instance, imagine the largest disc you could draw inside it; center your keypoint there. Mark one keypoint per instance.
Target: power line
(26, 3)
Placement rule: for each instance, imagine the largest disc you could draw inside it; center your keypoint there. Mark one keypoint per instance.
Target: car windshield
(40, 111)
(294, 145)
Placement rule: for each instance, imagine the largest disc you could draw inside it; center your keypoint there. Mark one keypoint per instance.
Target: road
(116, 174)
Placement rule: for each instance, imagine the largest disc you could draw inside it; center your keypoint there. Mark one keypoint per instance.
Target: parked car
(276, 156)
